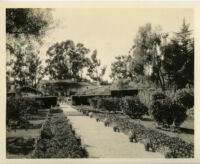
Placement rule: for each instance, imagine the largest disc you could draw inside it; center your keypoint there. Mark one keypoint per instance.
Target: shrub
(167, 111)
(34, 105)
(133, 107)
(93, 102)
(110, 104)
(158, 95)
(185, 97)
(16, 109)
(179, 113)
(162, 112)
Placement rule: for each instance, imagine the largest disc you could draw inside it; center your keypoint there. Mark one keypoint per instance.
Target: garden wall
(48, 100)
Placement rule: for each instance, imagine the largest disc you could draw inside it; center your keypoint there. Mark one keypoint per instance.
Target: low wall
(48, 100)
(122, 93)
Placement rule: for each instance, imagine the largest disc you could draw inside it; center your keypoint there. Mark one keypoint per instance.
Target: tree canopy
(157, 58)
(66, 60)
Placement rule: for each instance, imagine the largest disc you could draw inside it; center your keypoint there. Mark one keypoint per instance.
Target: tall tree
(94, 71)
(35, 70)
(66, 60)
(23, 26)
(147, 56)
(121, 68)
(179, 58)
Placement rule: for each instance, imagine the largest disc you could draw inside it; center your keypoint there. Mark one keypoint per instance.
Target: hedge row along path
(103, 142)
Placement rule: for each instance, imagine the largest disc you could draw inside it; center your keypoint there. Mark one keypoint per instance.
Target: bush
(17, 109)
(162, 112)
(133, 107)
(185, 97)
(93, 102)
(158, 95)
(179, 113)
(34, 105)
(109, 104)
(167, 111)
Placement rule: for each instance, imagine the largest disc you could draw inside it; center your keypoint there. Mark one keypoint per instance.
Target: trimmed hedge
(58, 140)
(109, 104)
(48, 100)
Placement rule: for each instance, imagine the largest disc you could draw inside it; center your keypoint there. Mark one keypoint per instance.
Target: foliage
(17, 109)
(35, 70)
(59, 140)
(25, 28)
(20, 145)
(133, 107)
(185, 97)
(147, 58)
(167, 111)
(172, 147)
(157, 59)
(179, 58)
(93, 102)
(94, 64)
(121, 83)
(158, 95)
(27, 21)
(66, 60)
(109, 104)
(120, 68)
(161, 111)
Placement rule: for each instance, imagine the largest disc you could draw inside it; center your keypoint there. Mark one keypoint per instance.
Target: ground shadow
(146, 119)
(187, 131)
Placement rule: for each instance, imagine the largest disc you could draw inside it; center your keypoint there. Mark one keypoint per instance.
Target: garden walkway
(103, 142)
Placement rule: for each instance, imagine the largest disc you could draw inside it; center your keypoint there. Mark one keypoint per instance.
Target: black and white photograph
(99, 83)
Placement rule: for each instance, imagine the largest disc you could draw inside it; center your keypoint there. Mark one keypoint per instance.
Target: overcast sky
(111, 31)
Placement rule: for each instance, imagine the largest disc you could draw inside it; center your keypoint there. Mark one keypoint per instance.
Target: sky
(110, 31)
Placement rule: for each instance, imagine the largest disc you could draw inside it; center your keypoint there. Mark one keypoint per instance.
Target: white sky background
(110, 30)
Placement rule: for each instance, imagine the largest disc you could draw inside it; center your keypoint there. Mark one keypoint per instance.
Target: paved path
(101, 141)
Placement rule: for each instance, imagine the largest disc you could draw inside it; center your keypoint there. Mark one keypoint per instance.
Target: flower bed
(58, 139)
(172, 147)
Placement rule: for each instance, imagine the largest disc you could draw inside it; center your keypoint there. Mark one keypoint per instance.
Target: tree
(66, 60)
(179, 58)
(94, 67)
(120, 68)
(147, 57)
(27, 21)
(35, 70)
(23, 28)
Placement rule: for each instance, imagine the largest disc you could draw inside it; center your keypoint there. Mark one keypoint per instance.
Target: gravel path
(101, 141)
